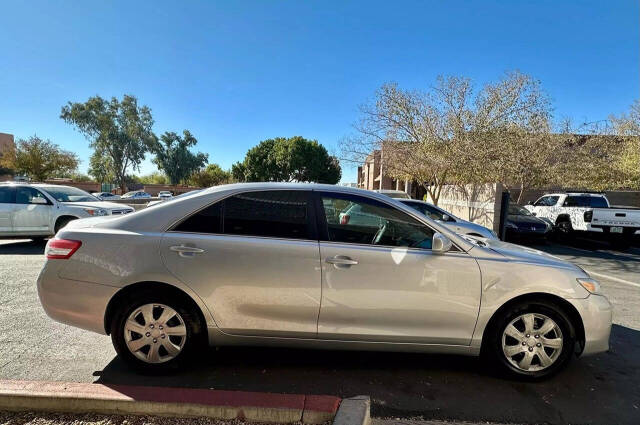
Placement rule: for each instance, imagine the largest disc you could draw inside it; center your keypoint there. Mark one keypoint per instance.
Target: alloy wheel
(532, 342)
(155, 333)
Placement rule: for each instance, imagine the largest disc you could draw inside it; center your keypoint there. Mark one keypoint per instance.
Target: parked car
(106, 196)
(182, 195)
(165, 194)
(260, 263)
(136, 194)
(37, 211)
(394, 193)
(523, 225)
(454, 223)
(590, 213)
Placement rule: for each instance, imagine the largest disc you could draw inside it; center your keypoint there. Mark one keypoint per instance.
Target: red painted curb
(307, 404)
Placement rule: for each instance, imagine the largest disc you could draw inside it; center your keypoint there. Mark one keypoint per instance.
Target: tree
(288, 159)
(39, 159)
(100, 167)
(628, 127)
(119, 130)
(212, 175)
(449, 135)
(172, 156)
(153, 178)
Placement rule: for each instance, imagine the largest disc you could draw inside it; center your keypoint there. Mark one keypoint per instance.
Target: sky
(238, 72)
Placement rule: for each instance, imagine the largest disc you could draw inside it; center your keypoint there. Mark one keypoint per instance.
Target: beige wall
(476, 203)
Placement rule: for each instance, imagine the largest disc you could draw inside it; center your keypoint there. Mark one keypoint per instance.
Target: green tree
(100, 167)
(212, 175)
(39, 159)
(153, 178)
(172, 155)
(119, 130)
(288, 159)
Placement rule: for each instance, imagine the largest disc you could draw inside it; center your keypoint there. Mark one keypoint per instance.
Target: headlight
(591, 285)
(96, 211)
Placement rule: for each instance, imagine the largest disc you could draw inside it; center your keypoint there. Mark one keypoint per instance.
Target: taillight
(344, 219)
(61, 249)
(588, 215)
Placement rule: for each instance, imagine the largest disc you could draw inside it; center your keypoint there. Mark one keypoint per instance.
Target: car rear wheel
(532, 340)
(62, 221)
(155, 332)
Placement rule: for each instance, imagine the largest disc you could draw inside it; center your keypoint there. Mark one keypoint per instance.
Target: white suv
(39, 210)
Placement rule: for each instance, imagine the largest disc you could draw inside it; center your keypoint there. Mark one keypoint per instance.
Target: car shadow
(21, 247)
(600, 389)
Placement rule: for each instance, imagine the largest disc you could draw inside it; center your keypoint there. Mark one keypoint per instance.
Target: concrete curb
(164, 401)
(354, 411)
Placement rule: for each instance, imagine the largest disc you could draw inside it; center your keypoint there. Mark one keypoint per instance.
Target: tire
(172, 351)
(564, 230)
(62, 222)
(510, 351)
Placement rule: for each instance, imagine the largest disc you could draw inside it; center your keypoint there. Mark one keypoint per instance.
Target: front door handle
(186, 251)
(341, 261)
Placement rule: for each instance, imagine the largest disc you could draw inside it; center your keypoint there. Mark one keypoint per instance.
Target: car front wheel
(155, 332)
(532, 340)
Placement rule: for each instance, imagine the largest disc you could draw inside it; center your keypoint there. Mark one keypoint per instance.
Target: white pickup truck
(37, 211)
(588, 212)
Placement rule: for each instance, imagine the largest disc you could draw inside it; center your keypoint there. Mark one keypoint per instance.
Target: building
(371, 176)
(6, 143)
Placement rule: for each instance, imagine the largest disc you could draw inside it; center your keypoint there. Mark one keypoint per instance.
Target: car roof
(599, 195)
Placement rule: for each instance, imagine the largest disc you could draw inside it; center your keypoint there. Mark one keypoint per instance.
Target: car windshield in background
(69, 194)
(518, 210)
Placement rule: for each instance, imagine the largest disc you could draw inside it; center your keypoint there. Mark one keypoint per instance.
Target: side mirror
(39, 201)
(533, 214)
(440, 243)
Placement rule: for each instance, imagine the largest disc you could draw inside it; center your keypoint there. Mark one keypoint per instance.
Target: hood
(98, 204)
(524, 219)
(524, 254)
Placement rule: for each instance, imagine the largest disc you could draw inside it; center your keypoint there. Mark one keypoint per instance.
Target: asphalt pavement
(404, 387)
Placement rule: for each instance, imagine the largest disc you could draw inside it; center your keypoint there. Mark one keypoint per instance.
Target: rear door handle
(186, 251)
(341, 260)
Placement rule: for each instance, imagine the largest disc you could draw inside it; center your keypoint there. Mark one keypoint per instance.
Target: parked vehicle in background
(182, 195)
(590, 213)
(165, 194)
(106, 196)
(136, 194)
(268, 263)
(394, 193)
(37, 211)
(454, 223)
(523, 225)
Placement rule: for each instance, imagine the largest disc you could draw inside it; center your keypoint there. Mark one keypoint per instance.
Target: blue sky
(237, 72)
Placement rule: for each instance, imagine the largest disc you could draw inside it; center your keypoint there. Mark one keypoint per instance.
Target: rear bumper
(72, 302)
(596, 313)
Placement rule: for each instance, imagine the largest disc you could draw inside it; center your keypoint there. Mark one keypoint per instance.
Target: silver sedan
(277, 264)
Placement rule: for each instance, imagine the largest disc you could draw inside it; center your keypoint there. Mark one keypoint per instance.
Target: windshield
(518, 210)
(69, 194)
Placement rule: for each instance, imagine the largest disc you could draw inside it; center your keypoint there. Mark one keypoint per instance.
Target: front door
(381, 282)
(254, 259)
(32, 213)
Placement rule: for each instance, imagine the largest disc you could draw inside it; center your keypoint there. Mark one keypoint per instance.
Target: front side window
(278, 214)
(29, 195)
(354, 219)
(547, 201)
(7, 195)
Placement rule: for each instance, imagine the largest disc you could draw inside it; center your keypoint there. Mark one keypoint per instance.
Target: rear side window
(26, 195)
(277, 214)
(7, 195)
(586, 201)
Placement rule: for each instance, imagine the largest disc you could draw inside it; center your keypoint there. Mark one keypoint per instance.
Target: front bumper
(72, 302)
(596, 313)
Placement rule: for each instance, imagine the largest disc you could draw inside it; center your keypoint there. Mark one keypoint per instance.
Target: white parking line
(615, 279)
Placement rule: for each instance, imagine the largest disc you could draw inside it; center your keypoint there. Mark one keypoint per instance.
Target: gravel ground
(40, 418)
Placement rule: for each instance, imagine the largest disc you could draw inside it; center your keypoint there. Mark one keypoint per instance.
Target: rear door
(7, 205)
(254, 259)
(32, 213)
